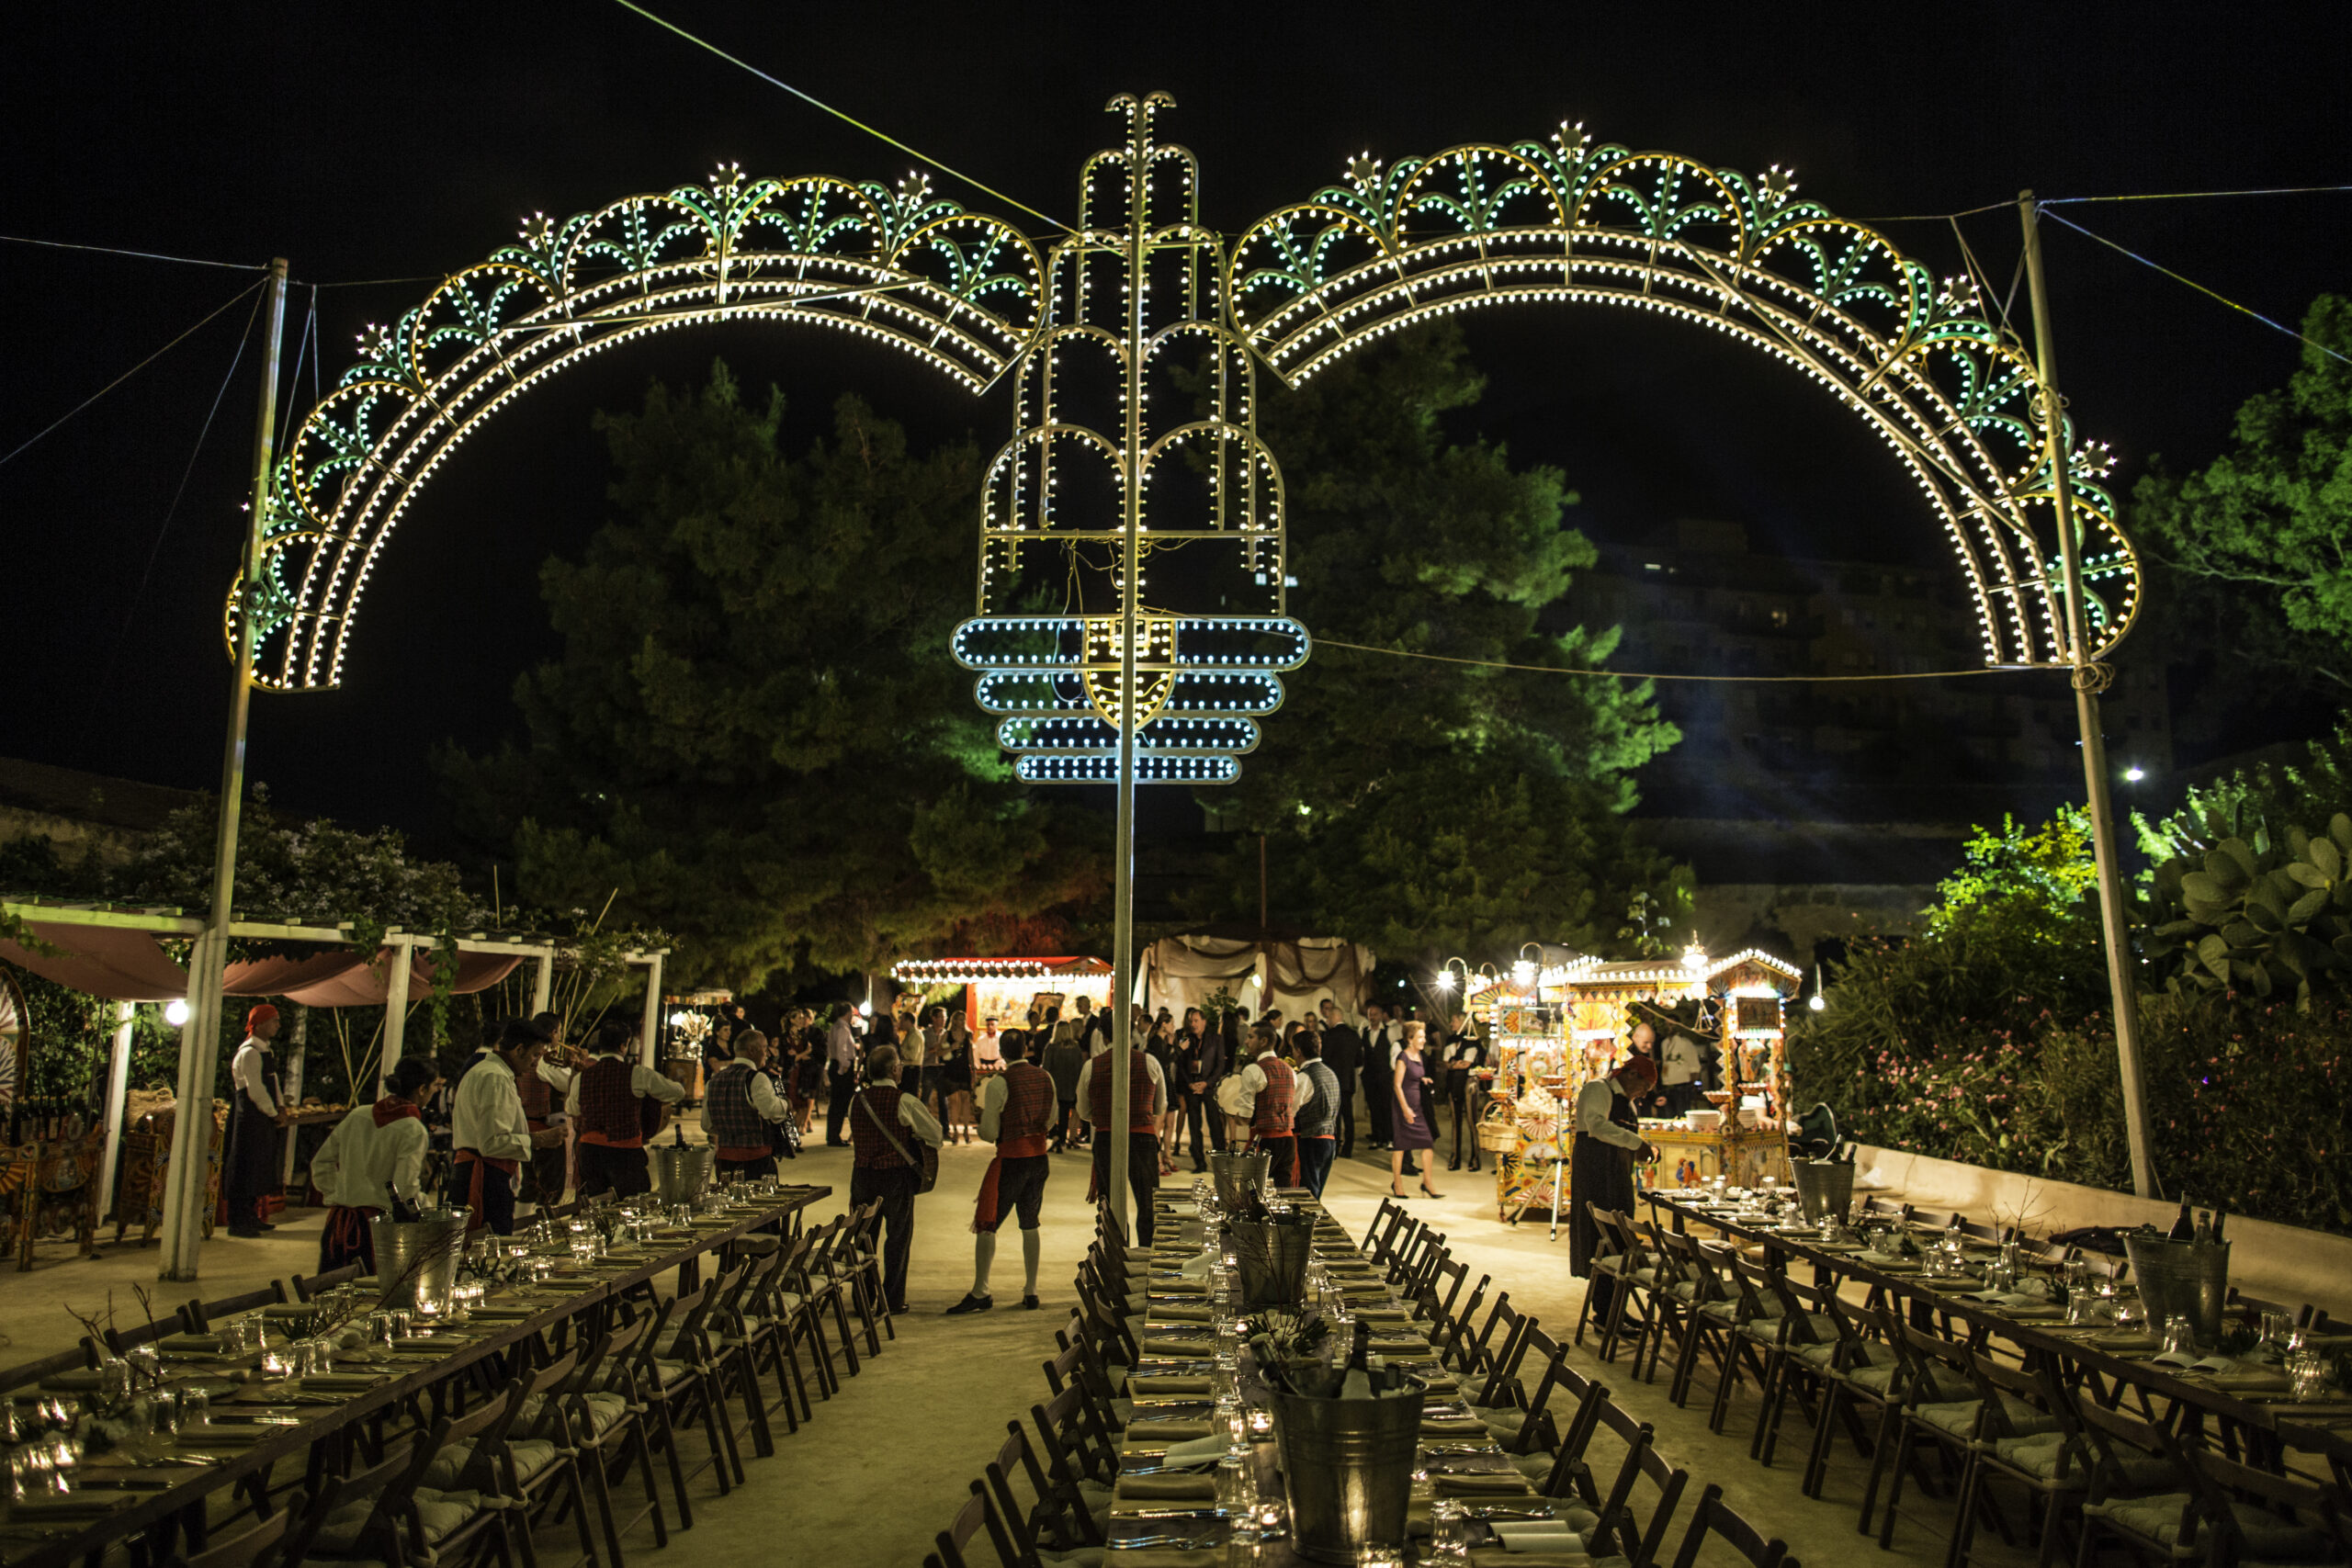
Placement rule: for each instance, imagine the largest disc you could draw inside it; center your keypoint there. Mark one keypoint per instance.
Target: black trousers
(1380, 1104)
(1194, 1107)
(543, 1176)
(1344, 1129)
(839, 1087)
(1143, 1175)
(1282, 1159)
(621, 1172)
(896, 1187)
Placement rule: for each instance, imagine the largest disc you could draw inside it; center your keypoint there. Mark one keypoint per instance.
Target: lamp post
(2089, 679)
(200, 1049)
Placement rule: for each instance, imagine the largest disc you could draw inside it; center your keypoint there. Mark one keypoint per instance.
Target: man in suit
(1343, 1055)
(1381, 1040)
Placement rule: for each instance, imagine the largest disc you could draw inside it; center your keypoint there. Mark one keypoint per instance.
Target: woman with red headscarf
(249, 1169)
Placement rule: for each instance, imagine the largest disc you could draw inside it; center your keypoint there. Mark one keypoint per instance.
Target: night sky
(383, 142)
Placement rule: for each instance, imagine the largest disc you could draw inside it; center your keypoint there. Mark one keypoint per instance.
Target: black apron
(249, 1166)
(1599, 1173)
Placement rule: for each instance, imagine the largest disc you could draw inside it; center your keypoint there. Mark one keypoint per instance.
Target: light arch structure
(1558, 221)
(957, 291)
(1568, 221)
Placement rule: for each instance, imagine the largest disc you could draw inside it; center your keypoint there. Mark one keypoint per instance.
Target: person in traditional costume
(739, 1110)
(370, 1166)
(490, 1135)
(249, 1170)
(1017, 1108)
(617, 1103)
(1608, 1145)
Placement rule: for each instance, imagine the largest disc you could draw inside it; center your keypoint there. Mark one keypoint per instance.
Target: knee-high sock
(983, 1255)
(1033, 1247)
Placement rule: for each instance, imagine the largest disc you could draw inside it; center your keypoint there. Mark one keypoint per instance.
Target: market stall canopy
(101, 961)
(1007, 989)
(1292, 974)
(126, 965)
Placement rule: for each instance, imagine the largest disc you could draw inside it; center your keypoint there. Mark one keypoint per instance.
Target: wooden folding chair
(1713, 1520)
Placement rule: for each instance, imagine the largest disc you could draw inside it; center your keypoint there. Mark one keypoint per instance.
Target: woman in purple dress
(1410, 1085)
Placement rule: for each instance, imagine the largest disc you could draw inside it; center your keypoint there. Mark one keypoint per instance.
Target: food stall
(1553, 1028)
(1004, 988)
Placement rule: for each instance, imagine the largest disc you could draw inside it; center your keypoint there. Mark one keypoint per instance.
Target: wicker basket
(1498, 1130)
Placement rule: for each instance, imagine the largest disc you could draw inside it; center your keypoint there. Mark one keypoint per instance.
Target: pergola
(110, 950)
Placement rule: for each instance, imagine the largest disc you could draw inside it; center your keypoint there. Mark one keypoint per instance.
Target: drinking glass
(196, 1409)
(1236, 1481)
(1379, 1555)
(2081, 1307)
(275, 1362)
(1449, 1532)
(2276, 1327)
(2178, 1336)
(2307, 1371)
(1273, 1518)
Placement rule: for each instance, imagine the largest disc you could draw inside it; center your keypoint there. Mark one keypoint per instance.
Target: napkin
(1167, 1431)
(190, 1344)
(1452, 1427)
(1507, 1484)
(1164, 1557)
(1521, 1536)
(1399, 1346)
(1168, 1488)
(1172, 1314)
(1504, 1557)
(2125, 1341)
(340, 1382)
(1137, 1386)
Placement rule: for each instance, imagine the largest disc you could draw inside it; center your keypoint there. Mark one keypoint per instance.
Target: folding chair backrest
(27, 1373)
(1933, 1219)
(1455, 1327)
(2114, 1439)
(1716, 1519)
(1885, 1209)
(1481, 1347)
(317, 1285)
(248, 1548)
(2292, 1500)
(119, 1340)
(1994, 1379)
(486, 1428)
(1666, 1481)
(975, 1516)
(691, 1313)
(202, 1315)
(1980, 1230)
(1504, 1370)
(337, 1492)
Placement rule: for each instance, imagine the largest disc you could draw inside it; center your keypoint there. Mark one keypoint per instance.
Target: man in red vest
(883, 1127)
(1274, 1089)
(543, 1092)
(615, 1103)
(738, 1107)
(1147, 1096)
(1017, 1108)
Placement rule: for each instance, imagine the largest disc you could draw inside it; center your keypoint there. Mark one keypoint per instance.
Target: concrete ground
(886, 1464)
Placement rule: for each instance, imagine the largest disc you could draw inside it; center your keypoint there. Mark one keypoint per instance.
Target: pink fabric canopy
(129, 966)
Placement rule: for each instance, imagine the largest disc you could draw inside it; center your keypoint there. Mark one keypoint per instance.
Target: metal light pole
(200, 1040)
(2089, 681)
(1122, 847)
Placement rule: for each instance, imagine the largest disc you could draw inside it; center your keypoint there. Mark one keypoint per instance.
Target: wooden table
(180, 1504)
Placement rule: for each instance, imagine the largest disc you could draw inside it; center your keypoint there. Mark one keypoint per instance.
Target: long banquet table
(1175, 1521)
(2248, 1411)
(171, 1494)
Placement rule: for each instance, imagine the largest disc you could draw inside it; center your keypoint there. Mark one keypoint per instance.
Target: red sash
(474, 1220)
(761, 1152)
(985, 1212)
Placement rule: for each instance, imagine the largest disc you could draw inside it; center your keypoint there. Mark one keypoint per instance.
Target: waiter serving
(1600, 1162)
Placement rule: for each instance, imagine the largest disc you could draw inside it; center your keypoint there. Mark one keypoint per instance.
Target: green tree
(2257, 546)
(296, 870)
(755, 731)
(1416, 805)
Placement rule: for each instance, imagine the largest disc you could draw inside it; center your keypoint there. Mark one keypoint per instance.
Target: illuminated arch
(957, 291)
(1566, 222)
(1561, 222)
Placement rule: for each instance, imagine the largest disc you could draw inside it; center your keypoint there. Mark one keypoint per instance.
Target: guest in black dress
(1600, 1162)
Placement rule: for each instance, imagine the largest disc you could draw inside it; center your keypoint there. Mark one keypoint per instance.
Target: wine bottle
(2220, 1214)
(1357, 1384)
(2204, 1229)
(401, 1211)
(2184, 1226)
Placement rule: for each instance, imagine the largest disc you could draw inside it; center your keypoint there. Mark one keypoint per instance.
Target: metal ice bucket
(2181, 1279)
(1273, 1256)
(417, 1258)
(1235, 1174)
(1824, 1189)
(680, 1172)
(1349, 1463)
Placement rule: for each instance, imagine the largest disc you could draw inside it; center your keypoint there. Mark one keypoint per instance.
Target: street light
(2134, 773)
(175, 1012)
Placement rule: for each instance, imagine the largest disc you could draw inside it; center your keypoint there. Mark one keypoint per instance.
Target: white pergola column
(297, 1049)
(117, 1098)
(649, 1030)
(395, 1012)
(542, 984)
(191, 1156)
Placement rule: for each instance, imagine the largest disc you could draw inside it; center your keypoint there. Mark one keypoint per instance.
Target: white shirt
(986, 1051)
(993, 1097)
(557, 1076)
(359, 1159)
(250, 1072)
(1678, 1060)
(760, 1092)
(1592, 1115)
(1254, 1078)
(488, 1117)
(912, 1046)
(1159, 1087)
(643, 1082)
(841, 1046)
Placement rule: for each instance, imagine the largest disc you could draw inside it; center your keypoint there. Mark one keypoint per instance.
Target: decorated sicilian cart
(1555, 1028)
